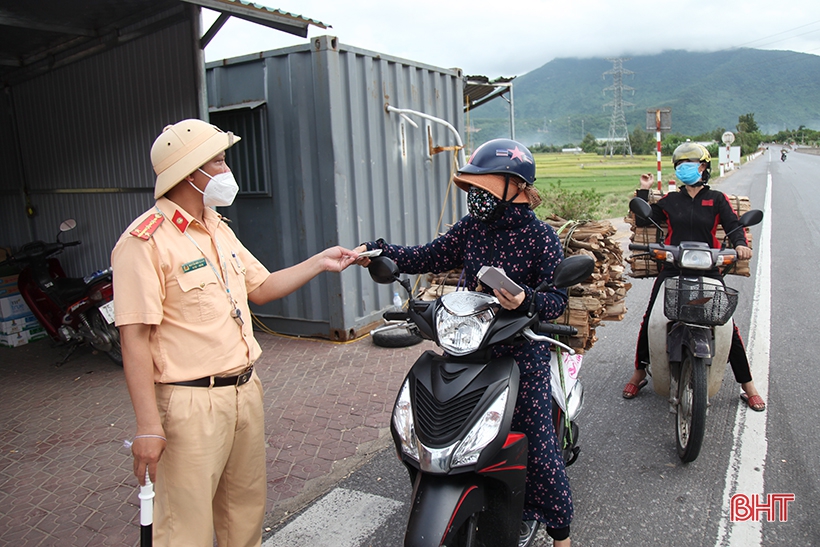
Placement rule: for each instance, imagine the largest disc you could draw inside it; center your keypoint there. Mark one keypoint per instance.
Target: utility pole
(618, 132)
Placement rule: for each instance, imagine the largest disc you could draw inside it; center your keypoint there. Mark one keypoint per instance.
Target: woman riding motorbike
(501, 230)
(693, 214)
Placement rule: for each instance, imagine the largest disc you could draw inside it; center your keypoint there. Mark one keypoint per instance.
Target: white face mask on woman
(220, 190)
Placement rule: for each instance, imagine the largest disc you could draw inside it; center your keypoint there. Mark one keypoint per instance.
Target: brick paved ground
(65, 478)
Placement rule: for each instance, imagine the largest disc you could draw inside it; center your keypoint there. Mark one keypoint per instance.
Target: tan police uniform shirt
(162, 279)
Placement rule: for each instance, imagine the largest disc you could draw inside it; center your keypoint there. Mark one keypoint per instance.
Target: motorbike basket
(692, 301)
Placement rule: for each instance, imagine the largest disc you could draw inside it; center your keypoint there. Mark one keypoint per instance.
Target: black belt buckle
(244, 377)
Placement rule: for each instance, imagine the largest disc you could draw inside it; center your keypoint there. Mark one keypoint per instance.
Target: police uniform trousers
(211, 477)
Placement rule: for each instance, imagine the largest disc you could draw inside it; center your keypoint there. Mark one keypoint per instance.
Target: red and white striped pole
(658, 138)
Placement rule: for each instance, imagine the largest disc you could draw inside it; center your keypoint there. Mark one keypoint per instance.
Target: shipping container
(323, 161)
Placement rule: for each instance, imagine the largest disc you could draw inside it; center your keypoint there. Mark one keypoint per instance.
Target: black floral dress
(528, 250)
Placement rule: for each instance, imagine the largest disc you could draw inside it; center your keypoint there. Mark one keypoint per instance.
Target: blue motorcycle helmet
(502, 172)
(498, 174)
(501, 157)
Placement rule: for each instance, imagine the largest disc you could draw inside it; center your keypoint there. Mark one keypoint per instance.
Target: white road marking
(748, 458)
(343, 518)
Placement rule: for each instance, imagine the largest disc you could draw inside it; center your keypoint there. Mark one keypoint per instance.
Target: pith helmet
(182, 148)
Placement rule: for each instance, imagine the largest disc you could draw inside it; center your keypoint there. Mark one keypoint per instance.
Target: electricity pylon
(618, 132)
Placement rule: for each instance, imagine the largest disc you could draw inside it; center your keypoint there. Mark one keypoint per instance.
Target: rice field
(614, 178)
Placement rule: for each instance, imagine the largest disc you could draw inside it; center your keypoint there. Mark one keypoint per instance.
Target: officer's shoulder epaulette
(148, 226)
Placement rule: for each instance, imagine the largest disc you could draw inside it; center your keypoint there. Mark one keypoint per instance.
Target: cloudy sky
(510, 38)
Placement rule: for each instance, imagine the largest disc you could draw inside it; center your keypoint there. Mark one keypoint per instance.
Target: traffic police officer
(182, 281)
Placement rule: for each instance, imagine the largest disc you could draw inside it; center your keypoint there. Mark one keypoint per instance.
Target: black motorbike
(451, 422)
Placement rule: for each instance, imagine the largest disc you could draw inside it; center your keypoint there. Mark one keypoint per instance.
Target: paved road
(629, 486)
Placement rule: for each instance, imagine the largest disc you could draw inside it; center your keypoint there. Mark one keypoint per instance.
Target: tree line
(747, 135)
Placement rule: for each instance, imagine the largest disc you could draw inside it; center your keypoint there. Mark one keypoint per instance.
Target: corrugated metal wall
(343, 170)
(12, 202)
(85, 133)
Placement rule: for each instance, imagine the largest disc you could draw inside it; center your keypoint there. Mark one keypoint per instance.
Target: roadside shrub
(568, 204)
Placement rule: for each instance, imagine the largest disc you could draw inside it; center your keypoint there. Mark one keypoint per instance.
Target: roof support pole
(195, 16)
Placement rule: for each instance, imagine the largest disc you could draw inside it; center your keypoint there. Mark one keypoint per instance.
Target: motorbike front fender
(697, 340)
(440, 506)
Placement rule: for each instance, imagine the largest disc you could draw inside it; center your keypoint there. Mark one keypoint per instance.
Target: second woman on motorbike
(693, 214)
(501, 230)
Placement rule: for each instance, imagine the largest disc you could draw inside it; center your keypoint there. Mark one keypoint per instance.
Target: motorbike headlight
(482, 433)
(463, 319)
(403, 422)
(696, 259)
(462, 335)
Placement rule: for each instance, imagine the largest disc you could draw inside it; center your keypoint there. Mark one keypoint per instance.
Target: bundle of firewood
(601, 297)
(640, 263)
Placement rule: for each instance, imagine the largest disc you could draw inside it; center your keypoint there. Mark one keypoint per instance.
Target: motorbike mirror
(643, 210)
(572, 270)
(68, 225)
(383, 270)
(751, 218)
(640, 207)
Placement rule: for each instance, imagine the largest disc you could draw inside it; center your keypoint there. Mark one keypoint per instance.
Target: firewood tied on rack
(642, 266)
(601, 297)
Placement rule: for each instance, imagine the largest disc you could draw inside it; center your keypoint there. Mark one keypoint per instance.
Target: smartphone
(495, 278)
(369, 254)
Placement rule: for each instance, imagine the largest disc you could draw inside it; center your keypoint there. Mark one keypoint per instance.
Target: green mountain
(563, 100)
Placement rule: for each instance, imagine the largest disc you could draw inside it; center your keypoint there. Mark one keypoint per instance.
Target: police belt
(217, 381)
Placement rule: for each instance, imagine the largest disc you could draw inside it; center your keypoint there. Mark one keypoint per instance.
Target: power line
(779, 33)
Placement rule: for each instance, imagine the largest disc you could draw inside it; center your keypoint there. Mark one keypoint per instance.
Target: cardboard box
(10, 326)
(13, 307)
(23, 337)
(8, 285)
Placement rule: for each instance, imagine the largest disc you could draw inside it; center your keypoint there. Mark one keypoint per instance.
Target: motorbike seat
(70, 289)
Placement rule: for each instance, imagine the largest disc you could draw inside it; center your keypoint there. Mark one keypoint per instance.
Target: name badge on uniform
(194, 265)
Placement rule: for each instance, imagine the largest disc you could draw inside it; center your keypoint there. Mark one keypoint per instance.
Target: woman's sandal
(755, 402)
(630, 389)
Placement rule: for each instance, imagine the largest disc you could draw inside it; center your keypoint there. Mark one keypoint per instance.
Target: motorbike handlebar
(558, 330)
(395, 315)
(638, 247)
(37, 249)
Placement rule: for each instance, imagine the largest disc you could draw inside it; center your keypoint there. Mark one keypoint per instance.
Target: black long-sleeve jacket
(695, 219)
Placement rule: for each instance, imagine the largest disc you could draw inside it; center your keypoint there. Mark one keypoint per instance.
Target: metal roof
(38, 36)
(479, 90)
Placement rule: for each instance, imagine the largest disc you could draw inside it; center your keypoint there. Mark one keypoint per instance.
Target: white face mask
(220, 190)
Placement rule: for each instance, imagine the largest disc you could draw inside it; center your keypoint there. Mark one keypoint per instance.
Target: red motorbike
(72, 310)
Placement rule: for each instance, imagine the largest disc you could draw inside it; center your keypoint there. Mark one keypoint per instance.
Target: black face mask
(482, 204)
